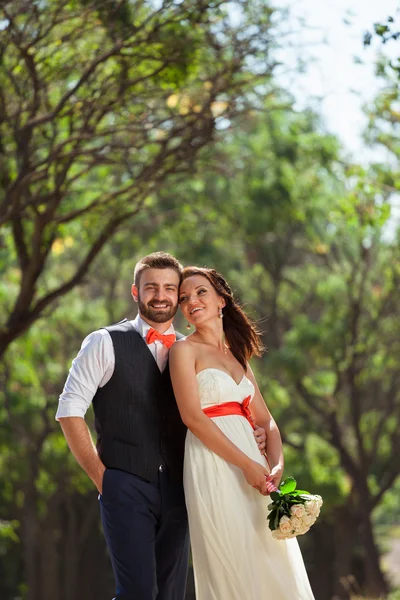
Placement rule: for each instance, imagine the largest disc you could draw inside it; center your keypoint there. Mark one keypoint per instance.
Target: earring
(220, 313)
(188, 326)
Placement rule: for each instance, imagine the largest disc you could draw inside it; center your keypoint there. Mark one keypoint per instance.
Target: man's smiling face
(157, 294)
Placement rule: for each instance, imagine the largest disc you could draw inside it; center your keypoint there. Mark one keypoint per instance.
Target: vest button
(161, 468)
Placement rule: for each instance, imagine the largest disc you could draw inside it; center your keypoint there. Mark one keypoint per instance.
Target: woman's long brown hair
(241, 334)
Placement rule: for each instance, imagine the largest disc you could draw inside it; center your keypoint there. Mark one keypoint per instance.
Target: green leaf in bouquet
(272, 518)
(295, 500)
(288, 485)
(276, 520)
(275, 496)
(272, 515)
(300, 493)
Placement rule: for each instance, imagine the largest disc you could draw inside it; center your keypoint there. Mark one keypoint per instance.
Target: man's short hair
(157, 260)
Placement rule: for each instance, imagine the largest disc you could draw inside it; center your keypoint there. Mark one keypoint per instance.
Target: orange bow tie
(154, 335)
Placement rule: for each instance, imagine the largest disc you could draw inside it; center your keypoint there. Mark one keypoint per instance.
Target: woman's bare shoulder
(183, 348)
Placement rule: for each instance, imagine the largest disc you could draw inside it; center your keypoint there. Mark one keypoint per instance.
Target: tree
(328, 278)
(310, 246)
(99, 104)
(385, 31)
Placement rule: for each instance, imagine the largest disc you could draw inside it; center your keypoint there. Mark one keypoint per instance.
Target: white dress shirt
(94, 366)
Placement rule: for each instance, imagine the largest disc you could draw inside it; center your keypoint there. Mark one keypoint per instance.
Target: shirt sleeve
(92, 368)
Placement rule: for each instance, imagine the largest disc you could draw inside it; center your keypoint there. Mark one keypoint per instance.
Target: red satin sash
(230, 408)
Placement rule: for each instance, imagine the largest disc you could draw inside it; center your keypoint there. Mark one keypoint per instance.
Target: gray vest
(137, 420)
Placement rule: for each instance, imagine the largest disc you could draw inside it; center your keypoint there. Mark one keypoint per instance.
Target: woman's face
(198, 300)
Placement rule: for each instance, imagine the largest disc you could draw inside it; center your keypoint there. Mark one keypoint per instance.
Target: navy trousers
(146, 530)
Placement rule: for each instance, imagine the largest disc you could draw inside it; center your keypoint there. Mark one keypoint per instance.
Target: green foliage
(307, 246)
(101, 104)
(387, 514)
(309, 243)
(385, 31)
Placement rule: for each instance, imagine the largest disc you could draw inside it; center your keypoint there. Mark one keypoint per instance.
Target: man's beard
(157, 316)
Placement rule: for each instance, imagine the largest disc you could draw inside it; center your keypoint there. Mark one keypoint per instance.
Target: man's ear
(135, 293)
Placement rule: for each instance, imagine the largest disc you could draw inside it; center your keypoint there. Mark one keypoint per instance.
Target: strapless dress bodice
(217, 386)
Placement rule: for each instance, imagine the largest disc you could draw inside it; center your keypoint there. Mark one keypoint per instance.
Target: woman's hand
(259, 435)
(276, 475)
(256, 476)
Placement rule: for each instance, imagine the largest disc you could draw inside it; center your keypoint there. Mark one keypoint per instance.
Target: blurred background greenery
(133, 126)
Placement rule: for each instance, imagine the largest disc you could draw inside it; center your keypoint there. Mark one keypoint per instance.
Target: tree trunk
(318, 551)
(375, 583)
(81, 521)
(49, 558)
(71, 558)
(345, 534)
(30, 541)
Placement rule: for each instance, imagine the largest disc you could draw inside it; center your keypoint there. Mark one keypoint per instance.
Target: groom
(137, 464)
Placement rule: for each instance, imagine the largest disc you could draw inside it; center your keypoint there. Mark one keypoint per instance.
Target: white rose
(295, 523)
(319, 501)
(298, 510)
(284, 519)
(308, 520)
(311, 507)
(285, 525)
(278, 535)
(285, 528)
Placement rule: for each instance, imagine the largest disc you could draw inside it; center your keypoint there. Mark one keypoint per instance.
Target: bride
(235, 556)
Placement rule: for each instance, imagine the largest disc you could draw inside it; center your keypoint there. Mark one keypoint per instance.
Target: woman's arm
(263, 417)
(183, 375)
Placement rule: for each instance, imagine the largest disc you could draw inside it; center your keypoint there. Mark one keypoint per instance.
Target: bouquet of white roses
(292, 511)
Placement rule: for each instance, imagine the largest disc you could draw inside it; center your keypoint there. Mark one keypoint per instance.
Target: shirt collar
(143, 328)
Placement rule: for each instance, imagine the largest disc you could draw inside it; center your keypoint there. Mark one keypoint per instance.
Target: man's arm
(91, 369)
(80, 442)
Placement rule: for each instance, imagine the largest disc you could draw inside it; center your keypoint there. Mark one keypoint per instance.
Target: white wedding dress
(235, 556)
